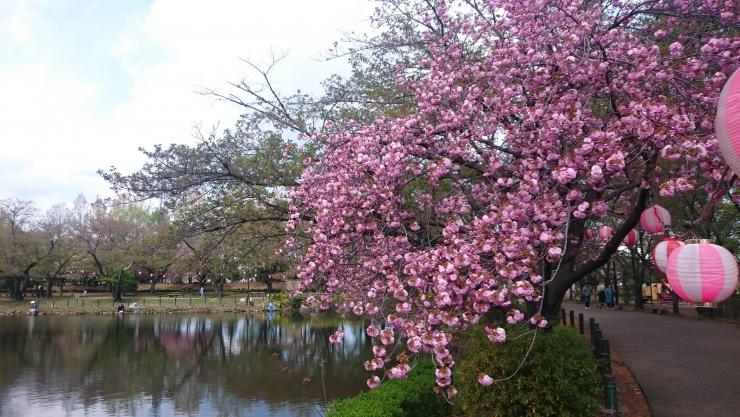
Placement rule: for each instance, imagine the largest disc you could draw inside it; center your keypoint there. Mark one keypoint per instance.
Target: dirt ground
(630, 398)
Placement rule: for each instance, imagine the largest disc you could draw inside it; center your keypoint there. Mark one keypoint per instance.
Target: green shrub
(558, 379)
(129, 284)
(280, 300)
(296, 302)
(411, 397)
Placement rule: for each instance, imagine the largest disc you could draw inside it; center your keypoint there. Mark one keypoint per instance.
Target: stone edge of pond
(144, 311)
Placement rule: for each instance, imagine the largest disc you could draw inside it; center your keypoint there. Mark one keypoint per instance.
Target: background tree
(56, 226)
(112, 237)
(24, 244)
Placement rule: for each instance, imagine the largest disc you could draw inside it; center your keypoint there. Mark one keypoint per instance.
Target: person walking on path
(586, 292)
(609, 296)
(202, 292)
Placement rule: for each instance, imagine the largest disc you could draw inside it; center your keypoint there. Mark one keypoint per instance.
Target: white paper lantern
(702, 272)
(662, 250)
(727, 122)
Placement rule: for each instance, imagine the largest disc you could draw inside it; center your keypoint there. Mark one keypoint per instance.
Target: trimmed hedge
(558, 379)
(411, 397)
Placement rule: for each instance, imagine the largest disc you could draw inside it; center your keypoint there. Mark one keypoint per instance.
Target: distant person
(602, 298)
(202, 292)
(586, 291)
(84, 294)
(609, 296)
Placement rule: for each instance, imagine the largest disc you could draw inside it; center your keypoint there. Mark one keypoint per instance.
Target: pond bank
(108, 309)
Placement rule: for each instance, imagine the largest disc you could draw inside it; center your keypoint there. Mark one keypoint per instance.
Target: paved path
(686, 367)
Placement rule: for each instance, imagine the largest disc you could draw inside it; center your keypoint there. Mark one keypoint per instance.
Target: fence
(255, 299)
(602, 353)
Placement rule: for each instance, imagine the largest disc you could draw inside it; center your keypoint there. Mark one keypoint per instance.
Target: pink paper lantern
(631, 238)
(662, 251)
(655, 219)
(702, 272)
(605, 233)
(727, 122)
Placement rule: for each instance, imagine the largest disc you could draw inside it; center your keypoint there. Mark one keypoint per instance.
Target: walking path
(686, 367)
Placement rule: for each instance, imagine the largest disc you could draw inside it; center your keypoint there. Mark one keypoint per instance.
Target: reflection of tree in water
(228, 362)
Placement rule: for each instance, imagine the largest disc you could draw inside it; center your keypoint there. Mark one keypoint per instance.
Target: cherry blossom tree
(533, 121)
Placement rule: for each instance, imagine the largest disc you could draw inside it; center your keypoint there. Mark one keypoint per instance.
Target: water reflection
(176, 365)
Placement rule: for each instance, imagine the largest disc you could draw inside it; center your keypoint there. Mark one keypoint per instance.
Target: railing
(602, 353)
(175, 301)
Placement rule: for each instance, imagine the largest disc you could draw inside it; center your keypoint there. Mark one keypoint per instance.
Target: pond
(181, 365)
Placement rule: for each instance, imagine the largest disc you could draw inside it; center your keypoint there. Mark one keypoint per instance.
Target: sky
(85, 83)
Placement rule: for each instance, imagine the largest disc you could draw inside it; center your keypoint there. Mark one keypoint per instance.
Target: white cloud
(58, 128)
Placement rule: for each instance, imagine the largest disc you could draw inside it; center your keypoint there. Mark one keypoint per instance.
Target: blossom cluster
(530, 117)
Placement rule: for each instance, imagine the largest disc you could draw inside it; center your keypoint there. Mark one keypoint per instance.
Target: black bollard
(610, 394)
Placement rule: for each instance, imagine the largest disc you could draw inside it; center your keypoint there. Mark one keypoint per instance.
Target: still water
(199, 365)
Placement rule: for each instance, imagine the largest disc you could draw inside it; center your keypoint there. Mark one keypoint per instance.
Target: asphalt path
(686, 367)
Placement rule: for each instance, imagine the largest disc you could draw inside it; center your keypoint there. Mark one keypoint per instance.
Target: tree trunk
(220, 286)
(25, 280)
(674, 300)
(49, 287)
(616, 283)
(638, 279)
(153, 284)
(268, 281)
(16, 290)
(61, 287)
(117, 289)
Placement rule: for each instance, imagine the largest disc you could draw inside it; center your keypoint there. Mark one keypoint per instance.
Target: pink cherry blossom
(386, 336)
(526, 123)
(378, 351)
(399, 371)
(337, 337)
(373, 382)
(485, 380)
(497, 335)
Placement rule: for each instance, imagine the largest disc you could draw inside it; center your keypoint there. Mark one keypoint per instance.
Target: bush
(296, 303)
(280, 300)
(129, 284)
(558, 379)
(411, 397)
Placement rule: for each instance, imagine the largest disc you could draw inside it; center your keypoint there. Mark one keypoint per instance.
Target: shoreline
(14, 311)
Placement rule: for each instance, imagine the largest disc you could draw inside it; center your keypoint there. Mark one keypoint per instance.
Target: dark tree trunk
(568, 273)
(268, 281)
(118, 288)
(153, 284)
(616, 283)
(674, 301)
(61, 287)
(49, 284)
(16, 290)
(638, 279)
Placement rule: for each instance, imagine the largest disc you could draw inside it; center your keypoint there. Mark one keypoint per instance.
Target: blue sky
(84, 83)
